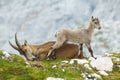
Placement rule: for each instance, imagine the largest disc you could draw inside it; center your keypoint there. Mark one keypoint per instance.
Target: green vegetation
(15, 68)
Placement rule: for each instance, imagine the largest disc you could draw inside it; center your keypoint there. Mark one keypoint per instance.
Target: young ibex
(41, 51)
(79, 36)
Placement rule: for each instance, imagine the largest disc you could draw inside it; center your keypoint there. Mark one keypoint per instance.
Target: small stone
(87, 66)
(63, 70)
(54, 66)
(103, 73)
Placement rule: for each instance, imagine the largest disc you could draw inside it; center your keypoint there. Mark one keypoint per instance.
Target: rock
(87, 66)
(63, 70)
(5, 55)
(65, 61)
(103, 73)
(54, 66)
(92, 76)
(96, 76)
(102, 64)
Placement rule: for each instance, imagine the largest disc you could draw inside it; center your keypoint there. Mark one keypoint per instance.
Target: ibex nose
(99, 28)
(33, 59)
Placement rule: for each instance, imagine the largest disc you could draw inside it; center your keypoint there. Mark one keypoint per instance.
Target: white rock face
(52, 78)
(102, 64)
(79, 61)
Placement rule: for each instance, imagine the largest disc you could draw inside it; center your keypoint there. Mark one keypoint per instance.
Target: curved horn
(17, 42)
(15, 47)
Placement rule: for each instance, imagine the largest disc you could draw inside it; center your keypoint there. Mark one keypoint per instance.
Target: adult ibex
(80, 36)
(41, 51)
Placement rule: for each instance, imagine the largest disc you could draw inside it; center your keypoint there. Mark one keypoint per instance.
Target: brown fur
(66, 51)
(69, 51)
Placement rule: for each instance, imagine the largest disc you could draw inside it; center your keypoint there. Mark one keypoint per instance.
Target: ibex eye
(95, 22)
(25, 50)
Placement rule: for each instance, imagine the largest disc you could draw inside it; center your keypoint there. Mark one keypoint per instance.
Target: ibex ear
(25, 42)
(92, 18)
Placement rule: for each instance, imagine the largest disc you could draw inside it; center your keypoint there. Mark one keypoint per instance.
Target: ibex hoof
(95, 57)
(34, 59)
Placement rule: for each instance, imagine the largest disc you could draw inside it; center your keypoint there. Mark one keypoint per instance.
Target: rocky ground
(14, 67)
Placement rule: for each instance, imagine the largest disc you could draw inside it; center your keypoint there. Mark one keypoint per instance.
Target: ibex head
(24, 49)
(95, 22)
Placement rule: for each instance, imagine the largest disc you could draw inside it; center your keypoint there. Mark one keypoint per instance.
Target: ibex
(41, 51)
(80, 36)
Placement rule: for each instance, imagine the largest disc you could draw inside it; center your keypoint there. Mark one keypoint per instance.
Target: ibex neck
(90, 28)
(33, 50)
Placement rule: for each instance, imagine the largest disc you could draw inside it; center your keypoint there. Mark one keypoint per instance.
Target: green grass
(15, 69)
(70, 73)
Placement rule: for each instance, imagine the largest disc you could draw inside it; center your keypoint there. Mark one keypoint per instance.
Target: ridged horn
(17, 42)
(15, 47)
